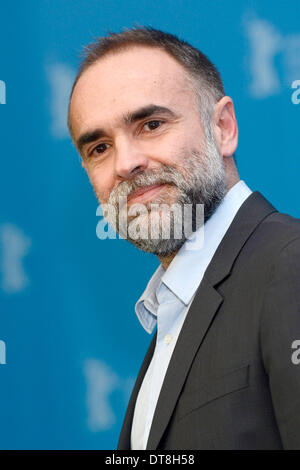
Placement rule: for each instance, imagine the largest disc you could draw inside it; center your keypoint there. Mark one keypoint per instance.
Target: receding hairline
(120, 48)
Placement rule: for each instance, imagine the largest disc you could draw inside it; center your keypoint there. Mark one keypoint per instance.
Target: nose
(129, 159)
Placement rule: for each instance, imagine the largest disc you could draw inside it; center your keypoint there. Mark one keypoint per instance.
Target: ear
(82, 164)
(225, 126)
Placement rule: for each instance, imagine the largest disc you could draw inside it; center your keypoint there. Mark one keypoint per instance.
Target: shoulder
(278, 232)
(272, 247)
(283, 223)
(279, 253)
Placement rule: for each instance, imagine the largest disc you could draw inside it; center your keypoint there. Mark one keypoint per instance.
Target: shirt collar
(147, 305)
(187, 268)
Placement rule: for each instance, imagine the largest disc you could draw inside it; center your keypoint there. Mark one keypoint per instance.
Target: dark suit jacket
(231, 382)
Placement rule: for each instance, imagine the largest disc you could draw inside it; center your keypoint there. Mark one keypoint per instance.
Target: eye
(152, 125)
(100, 148)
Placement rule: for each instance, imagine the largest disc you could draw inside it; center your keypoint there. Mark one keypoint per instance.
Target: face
(136, 125)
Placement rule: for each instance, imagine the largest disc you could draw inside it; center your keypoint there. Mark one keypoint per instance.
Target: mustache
(164, 175)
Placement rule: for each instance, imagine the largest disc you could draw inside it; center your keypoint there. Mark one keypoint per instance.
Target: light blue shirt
(167, 299)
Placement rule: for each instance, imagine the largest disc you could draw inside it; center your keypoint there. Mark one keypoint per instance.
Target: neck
(231, 180)
(166, 260)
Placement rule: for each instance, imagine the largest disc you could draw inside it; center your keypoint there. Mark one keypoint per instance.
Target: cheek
(169, 150)
(101, 183)
(177, 151)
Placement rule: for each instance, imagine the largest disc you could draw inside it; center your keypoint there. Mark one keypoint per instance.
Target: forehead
(126, 80)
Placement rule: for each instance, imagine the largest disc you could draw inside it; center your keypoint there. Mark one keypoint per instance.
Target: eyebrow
(129, 118)
(147, 111)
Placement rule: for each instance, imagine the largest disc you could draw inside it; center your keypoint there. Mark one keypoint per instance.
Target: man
(151, 121)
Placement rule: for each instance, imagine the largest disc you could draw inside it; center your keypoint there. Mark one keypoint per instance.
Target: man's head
(147, 109)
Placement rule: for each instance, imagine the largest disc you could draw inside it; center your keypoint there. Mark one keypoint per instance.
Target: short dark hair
(204, 76)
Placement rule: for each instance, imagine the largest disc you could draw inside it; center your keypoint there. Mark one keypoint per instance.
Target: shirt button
(168, 339)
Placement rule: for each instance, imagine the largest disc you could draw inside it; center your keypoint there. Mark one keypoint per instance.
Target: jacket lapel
(202, 312)
(197, 322)
(124, 439)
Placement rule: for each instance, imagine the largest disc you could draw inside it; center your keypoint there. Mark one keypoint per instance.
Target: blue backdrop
(70, 343)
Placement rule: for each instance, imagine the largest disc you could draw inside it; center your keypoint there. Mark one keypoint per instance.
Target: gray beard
(201, 180)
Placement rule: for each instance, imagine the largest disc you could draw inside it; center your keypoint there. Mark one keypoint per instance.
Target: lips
(145, 192)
